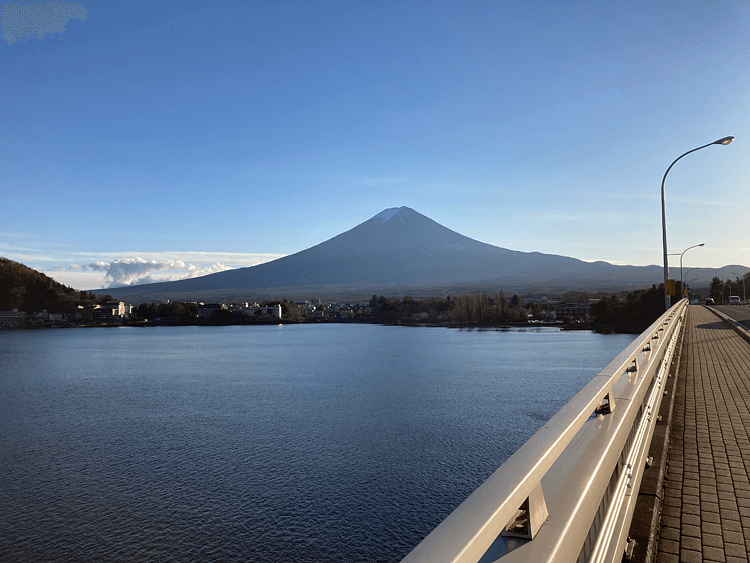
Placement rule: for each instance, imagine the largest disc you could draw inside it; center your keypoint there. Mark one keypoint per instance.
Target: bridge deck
(706, 508)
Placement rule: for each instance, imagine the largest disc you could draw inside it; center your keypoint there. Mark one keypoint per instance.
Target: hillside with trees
(633, 314)
(26, 289)
(720, 291)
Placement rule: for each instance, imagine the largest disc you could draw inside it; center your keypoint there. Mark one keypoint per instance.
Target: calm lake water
(273, 443)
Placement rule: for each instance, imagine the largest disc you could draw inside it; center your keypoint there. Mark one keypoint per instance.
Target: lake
(272, 443)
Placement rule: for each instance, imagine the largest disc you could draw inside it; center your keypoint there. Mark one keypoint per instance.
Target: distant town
(29, 299)
(464, 309)
(461, 311)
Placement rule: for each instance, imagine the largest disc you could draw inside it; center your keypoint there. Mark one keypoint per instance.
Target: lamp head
(724, 141)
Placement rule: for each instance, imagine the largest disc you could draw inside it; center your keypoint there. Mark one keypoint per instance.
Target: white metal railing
(568, 493)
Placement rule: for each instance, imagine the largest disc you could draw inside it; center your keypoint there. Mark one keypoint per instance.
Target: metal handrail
(553, 499)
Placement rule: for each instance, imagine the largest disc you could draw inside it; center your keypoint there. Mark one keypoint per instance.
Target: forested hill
(28, 290)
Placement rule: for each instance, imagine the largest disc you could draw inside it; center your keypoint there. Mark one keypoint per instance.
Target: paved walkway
(706, 508)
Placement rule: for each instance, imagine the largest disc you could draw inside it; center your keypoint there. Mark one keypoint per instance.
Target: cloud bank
(137, 271)
(100, 270)
(22, 21)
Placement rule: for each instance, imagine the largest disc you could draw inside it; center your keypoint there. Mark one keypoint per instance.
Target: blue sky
(150, 140)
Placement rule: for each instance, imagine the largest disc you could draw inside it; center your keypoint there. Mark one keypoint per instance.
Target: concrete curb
(644, 528)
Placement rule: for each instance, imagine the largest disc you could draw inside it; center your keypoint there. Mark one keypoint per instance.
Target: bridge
(649, 462)
(706, 497)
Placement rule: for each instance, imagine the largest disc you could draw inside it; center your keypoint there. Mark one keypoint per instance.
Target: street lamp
(688, 281)
(722, 141)
(685, 278)
(690, 270)
(683, 252)
(744, 291)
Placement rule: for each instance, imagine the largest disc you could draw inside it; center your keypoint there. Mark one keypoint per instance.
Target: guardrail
(569, 492)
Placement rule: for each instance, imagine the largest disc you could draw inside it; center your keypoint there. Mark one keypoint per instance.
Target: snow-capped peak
(388, 213)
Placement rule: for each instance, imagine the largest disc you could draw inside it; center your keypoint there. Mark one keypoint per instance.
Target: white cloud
(22, 21)
(99, 266)
(94, 271)
(137, 271)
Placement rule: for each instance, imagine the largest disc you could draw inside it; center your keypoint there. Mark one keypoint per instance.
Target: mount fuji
(398, 251)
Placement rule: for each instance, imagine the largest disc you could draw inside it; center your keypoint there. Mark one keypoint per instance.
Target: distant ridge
(396, 251)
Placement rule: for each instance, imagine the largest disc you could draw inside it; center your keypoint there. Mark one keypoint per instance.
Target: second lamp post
(722, 141)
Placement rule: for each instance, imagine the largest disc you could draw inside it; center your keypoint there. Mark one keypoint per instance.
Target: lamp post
(685, 282)
(744, 291)
(690, 270)
(722, 141)
(681, 255)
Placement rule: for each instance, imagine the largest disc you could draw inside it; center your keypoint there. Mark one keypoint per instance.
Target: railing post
(530, 516)
(607, 405)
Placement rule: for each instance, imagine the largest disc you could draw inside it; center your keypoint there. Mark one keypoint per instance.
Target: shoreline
(583, 326)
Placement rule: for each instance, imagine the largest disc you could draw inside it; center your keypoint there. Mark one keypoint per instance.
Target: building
(271, 311)
(574, 311)
(111, 311)
(12, 318)
(208, 310)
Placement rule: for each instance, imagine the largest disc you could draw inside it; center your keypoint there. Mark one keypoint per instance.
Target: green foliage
(478, 308)
(392, 309)
(715, 289)
(721, 290)
(223, 317)
(634, 314)
(293, 312)
(145, 312)
(172, 312)
(178, 312)
(27, 290)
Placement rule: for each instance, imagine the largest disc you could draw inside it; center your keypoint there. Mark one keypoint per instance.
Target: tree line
(633, 314)
(477, 308)
(26, 289)
(720, 291)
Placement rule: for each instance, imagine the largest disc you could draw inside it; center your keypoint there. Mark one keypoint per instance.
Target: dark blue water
(273, 444)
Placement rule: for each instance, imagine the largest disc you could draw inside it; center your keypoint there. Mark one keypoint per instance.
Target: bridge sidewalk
(706, 507)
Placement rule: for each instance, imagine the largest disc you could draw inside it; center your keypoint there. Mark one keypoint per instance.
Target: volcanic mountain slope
(400, 247)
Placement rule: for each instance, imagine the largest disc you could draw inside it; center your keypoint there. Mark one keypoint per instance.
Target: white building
(273, 311)
(112, 311)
